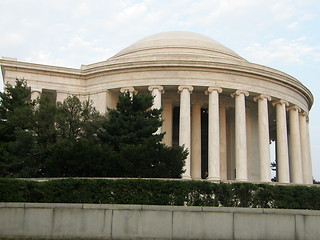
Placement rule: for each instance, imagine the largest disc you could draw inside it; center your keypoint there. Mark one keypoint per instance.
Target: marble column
(167, 123)
(156, 92)
(282, 142)
(264, 148)
(305, 150)
(184, 126)
(213, 134)
(35, 94)
(310, 177)
(240, 135)
(295, 145)
(196, 141)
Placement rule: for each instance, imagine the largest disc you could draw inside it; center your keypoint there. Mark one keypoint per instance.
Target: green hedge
(160, 192)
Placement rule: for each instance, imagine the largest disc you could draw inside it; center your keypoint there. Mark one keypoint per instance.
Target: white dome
(178, 43)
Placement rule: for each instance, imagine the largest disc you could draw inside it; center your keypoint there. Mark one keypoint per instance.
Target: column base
(186, 178)
(283, 181)
(196, 178)
(265, 181)
(242, 180)
(213, 179)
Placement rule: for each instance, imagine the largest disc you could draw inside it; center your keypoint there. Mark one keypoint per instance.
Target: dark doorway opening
(204, 143)
(175, 126)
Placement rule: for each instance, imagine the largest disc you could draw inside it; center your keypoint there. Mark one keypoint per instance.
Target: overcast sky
(283, 34)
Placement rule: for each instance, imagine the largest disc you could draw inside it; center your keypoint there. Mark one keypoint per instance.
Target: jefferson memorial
(225, 110)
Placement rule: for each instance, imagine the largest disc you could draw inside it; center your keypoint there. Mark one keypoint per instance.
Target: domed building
(224, 109)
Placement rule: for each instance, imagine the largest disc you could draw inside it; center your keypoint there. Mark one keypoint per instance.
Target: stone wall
(155, 222)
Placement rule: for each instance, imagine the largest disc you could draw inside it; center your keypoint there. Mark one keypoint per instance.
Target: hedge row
(160, 192)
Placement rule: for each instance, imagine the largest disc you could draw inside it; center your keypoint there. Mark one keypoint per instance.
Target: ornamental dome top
(177, 43)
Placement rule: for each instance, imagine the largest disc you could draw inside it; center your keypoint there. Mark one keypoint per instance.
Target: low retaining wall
(155, 222)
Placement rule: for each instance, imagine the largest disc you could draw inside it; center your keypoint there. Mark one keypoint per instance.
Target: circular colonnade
(224, 109)
(245, 107)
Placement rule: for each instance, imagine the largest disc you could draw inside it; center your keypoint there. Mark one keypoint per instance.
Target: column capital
(262, 96)
(211, 89)
(280, 101)
(160, 88)
(188, 87)
(36, 90)
(293, 107)
(303, 113)
(239, 92)
(128, 89)
(35, 94)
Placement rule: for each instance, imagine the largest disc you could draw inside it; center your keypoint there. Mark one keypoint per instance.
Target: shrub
(160, 192)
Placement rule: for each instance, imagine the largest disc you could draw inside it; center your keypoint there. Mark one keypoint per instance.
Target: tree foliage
(75, 151)
(16, 119)
(133, 122)
(130, 131)
(72, 139)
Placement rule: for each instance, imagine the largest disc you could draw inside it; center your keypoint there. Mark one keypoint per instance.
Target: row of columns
(293, 164)
(298, 170)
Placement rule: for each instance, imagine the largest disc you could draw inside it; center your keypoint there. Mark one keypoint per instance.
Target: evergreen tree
(132, 122)
(16, 121)
(138, 152)
(45, 134)
(71, 139)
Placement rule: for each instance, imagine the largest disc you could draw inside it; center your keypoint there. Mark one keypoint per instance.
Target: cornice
(242, 68)
(36, 68)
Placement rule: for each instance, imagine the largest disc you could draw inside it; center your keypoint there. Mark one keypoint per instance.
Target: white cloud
(77, 42)
(82, 9)
(11, 39)
(293, 25)
(131, 13)
(282, 10)
(282, 50)
(230, 7)
(41, 56)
